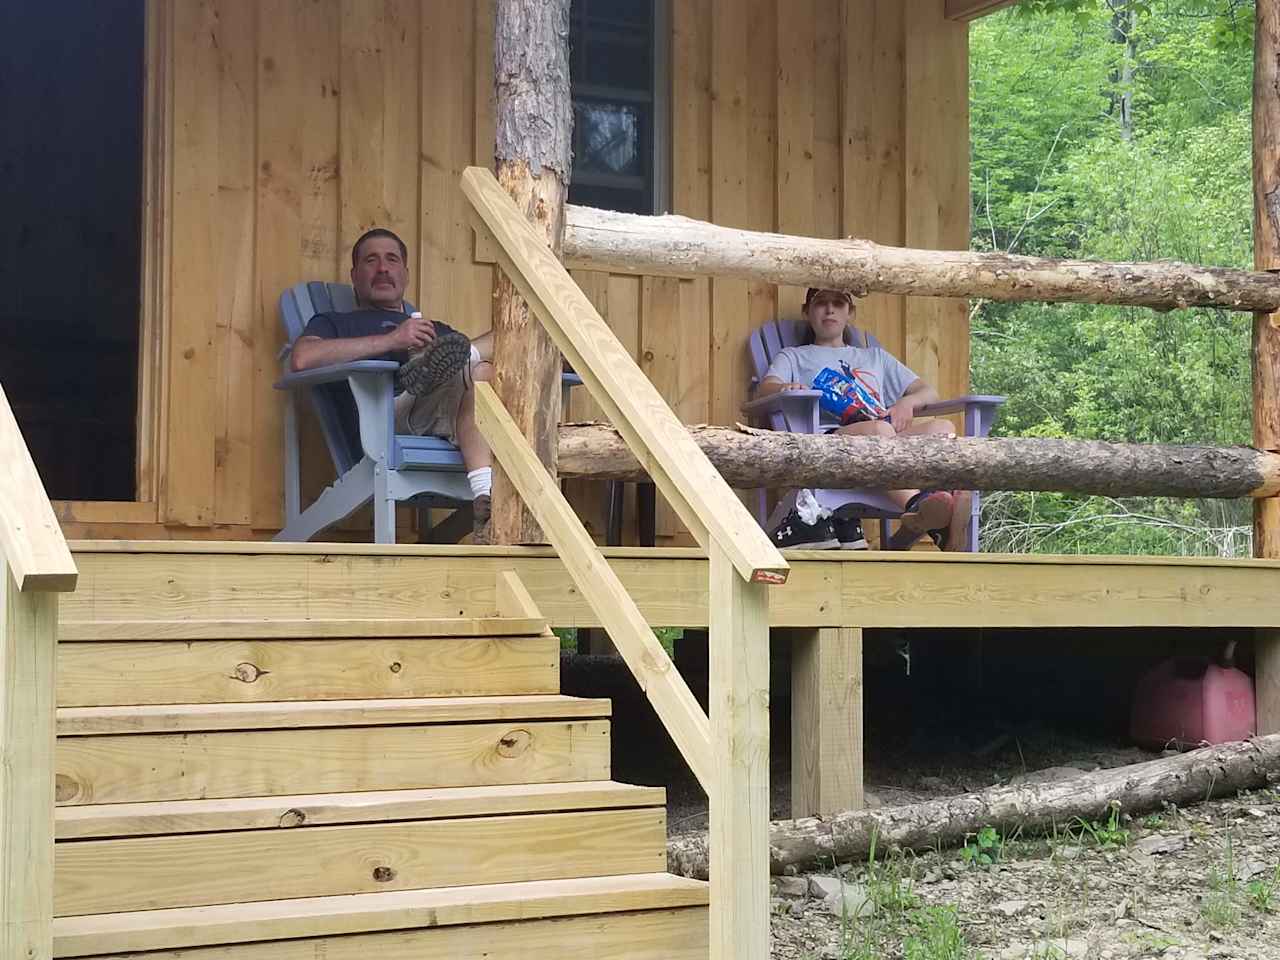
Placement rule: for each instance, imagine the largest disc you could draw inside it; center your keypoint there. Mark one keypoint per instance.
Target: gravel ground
(1196, 883)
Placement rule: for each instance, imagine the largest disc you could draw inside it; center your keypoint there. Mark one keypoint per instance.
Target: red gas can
(1187, 702)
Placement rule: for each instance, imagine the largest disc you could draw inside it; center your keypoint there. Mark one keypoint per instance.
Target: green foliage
(1107, 833)
(983, 849)
(1053, 174)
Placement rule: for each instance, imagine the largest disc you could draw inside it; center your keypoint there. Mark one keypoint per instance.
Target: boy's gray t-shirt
(877, 366)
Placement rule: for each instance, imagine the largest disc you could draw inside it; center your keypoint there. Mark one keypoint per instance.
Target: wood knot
(293, 817)
(514, 743)
(383, 874)
(396, 668)
(247, 672)
(65, 788)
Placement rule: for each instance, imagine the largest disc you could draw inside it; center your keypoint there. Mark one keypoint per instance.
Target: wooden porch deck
(829, 599)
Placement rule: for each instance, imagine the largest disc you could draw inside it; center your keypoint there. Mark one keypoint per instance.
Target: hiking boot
(481, 507)
(849, 532)
(436, 362)
(793, 531)
(926, 512)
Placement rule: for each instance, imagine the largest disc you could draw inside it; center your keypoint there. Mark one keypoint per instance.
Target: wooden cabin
(252, 751)
(266, 136)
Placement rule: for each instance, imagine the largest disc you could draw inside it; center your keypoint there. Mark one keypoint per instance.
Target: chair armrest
(776, 401)
(333, 373)
(959, 404)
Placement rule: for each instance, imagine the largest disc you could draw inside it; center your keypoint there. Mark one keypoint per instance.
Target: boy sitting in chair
(866, 391)
(438, 365)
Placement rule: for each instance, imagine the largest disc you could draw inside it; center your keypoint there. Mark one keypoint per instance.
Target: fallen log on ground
(683, 247)
(1139, 788)
(750, 458)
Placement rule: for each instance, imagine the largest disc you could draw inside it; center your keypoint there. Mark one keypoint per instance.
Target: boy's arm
(917, 395)
(771, 385)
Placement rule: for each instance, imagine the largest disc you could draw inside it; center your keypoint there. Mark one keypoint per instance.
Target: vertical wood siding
(298, 124)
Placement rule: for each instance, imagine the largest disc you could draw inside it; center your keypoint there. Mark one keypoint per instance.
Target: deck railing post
(28, 625)
(738, 614)
(1266, 327)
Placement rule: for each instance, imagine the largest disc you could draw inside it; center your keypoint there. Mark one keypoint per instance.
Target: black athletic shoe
(849, 532)
(440, 360)
(794, 532)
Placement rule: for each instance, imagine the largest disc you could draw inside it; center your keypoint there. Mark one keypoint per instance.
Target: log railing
(675, 246)
(729, 753)
(36, 566)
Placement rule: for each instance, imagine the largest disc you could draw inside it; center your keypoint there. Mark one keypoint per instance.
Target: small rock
(852, 902)
(1010, 908)
(1160, 844)
(820, 888)
(871, 801)
(1069, 853)
(1255, 812)
(934, 785)
(1015, 952)
(1250, 869)
(1215, 935)
(791, 886)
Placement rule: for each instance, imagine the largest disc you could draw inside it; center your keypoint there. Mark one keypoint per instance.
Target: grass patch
(900, 924)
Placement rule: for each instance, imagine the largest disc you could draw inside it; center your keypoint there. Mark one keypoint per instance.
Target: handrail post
(28, 633)
(738, 619)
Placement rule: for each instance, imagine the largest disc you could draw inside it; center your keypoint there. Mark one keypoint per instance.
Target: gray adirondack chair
(372, 461)
(796, 411)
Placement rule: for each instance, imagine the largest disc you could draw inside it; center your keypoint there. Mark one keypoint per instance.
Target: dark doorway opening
(71, 95)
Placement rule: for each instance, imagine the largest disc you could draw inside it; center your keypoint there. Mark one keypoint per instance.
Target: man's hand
(902, 413)
(413, 333)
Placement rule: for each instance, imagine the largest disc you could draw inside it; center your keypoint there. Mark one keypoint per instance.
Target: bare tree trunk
(534, 129)
(764, 458)
(674, 246)
(1266, 327)
(1124, 27)
(1186, 779)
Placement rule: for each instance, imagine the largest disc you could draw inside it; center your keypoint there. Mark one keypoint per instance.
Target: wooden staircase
(343, 790)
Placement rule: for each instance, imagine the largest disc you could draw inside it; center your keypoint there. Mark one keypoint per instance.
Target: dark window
(71, 89)
(619, 132)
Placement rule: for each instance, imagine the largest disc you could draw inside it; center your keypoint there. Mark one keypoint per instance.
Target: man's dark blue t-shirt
(356, 323)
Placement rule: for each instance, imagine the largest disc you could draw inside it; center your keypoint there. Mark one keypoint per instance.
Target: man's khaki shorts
(432, 415)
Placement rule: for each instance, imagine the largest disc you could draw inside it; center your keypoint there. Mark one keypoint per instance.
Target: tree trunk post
(532, 149)
(1266, 327)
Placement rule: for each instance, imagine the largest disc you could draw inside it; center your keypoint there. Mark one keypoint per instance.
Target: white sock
(475, 355)
(481, 481)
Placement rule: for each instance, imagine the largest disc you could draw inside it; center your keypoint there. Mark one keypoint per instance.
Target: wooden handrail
(697, 493)
(729, 753)
(675, 705)
(30, 537)
(35, 565)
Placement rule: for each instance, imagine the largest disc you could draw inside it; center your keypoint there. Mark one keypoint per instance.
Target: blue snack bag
(849, 395)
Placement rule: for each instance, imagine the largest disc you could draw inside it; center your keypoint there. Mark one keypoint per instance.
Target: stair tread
(258, 715)
(261, 629)
(97, 934)
(146, 818)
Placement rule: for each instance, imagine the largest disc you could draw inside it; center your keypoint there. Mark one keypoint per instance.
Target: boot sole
(440, 360)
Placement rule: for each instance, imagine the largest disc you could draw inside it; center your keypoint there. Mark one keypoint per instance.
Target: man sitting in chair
(438, 365)
(866, 391)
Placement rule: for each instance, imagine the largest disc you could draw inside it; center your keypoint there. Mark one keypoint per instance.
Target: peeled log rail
(682, 247)
(749, 458)
(1189, 778)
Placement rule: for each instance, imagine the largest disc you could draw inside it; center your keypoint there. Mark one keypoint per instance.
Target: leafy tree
(1119, 143)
